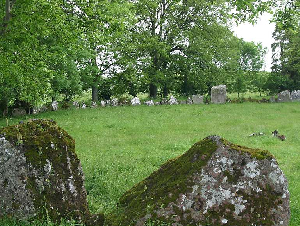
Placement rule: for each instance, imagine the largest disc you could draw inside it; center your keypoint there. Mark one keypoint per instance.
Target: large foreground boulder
(213, 183)
(40, 174)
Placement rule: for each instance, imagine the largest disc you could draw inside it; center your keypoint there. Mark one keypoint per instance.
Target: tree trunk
(8, 16)
(94, 93)
(153, 90)
(8, 5)
(165, 91)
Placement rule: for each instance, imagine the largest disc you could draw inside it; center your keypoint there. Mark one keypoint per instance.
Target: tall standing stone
(284, 96)
(214, 183)
(41, 176)
(218, 94)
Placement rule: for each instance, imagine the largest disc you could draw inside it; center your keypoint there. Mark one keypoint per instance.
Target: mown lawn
(120, 146)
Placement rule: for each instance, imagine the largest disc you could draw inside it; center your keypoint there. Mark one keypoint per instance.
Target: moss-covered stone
(213, 183)
(45, 179)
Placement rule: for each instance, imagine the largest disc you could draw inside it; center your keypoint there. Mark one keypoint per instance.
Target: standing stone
(149, 103)
(197, 99)
(272, 99)
(18, 112)
(41, 176)
(189, 100)
(114, 102)
(173, 101)
(135, 101)
(93, 104)
(218, 94)
(213, 183)
(284, 96)
(102, 103)
(76, 104)
(295, 95)
(54, 105)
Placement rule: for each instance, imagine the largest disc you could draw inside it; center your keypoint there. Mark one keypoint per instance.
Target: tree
(103, 22)
(286, 57)
(165, 36)
(37, 40)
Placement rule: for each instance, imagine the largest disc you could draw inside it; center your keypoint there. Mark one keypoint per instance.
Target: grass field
(120, 146)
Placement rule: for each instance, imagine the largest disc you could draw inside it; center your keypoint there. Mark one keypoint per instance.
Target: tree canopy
(52, 49)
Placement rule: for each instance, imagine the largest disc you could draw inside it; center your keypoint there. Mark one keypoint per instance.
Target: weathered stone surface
(149, 103)
(102, 103)
(284, 96)
(54, 105)
(272, 99)
(218, 94)
(41, 175)
(76, 104)
(197, 99)
(94, 104)
(295, 95)
(135, 101)
(189, 100)
(213, 183)
(114, 102)
(18, 112)
(173, 101)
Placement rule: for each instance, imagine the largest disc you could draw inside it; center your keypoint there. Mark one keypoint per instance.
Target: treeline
(286, 54)
(51, 49)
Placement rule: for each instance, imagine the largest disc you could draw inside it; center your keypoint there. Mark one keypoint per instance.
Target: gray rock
(213, 183)
(189, 100)
(295, 95)
(76, 104)
(54, 105)
(182, 102)
(18, 112)
(41, 176)
(102, 103)
(197, 99)
(173, 101)
(135, 101)
(114, 102)
(272, 99)
(164, 101)
(149, 103)
(218, 94)
(284, 96)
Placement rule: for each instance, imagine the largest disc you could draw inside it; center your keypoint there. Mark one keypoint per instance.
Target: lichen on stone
(41, 173)
(213, 183)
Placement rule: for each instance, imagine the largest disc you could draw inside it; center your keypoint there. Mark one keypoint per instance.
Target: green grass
(120, 146)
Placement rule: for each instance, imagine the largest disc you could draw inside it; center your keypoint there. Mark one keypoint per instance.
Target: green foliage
(60, 48)
(286, 57)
